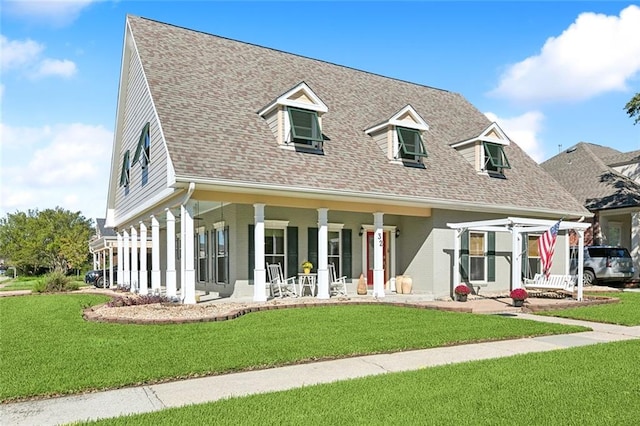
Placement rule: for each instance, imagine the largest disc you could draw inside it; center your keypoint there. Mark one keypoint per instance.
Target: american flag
(546, 246)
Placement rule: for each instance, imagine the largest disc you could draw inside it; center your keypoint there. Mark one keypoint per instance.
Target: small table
(307, 281)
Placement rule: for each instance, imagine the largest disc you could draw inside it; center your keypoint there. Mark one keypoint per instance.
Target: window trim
(402, 145)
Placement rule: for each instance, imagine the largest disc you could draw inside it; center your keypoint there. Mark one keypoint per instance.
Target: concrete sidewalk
(156, 397)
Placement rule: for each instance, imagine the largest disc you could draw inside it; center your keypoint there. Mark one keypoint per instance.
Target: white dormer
(486, 152)
(295, 118)
(401, 136)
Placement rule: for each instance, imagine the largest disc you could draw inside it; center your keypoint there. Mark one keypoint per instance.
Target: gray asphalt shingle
(208, 90)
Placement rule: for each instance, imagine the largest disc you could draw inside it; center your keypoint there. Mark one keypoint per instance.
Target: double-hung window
(202, 247)
(274, 247)
(410, 145)
(495, 159)
(220, 237)
(335, 250)
(533, 256)
(477, 257)
(305, 127)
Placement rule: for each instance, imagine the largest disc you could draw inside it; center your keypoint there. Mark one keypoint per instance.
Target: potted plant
(307, 266)
(518, 295)
(462, 291)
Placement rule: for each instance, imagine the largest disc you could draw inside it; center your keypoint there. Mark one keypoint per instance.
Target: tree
(633, 108)
(56, 239)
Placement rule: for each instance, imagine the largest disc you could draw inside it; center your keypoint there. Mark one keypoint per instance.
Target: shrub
(462, 289)
(518, 294)
(55, 282)
(138, 300)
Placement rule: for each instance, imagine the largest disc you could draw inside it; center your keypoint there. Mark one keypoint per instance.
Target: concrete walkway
(156, 397)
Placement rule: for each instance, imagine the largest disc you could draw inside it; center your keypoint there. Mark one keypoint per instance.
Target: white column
(144, 287)
(378, 246)
(95, 260)
(516, 256)
(110, 267)
(171, 254)
(155, 255)
(120, 260)
(635, 242)
(127, 260)
(323, 242)
(134, 260)
(259, 273)
(580, 262)
(188, 272)
(456, 256)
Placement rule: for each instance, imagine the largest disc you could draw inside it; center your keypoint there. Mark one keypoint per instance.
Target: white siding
(380, 138)
(469, 154)
(138, 111)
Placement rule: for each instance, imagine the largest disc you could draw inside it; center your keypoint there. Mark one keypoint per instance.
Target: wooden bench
(558, 283)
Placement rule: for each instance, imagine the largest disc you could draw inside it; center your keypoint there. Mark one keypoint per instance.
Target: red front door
(370, 242)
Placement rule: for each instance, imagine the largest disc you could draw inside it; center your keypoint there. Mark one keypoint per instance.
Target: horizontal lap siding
(138, 111)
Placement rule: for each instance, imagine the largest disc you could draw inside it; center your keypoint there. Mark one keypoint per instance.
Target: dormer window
(295, 118)
(486, 151)
(401, 137)
(305, 127)
(410, 146)
(494, 158)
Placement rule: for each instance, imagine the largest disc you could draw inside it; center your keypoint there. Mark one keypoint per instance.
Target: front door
(370, 249)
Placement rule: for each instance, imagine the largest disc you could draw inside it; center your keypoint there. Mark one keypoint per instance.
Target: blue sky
(550, 73)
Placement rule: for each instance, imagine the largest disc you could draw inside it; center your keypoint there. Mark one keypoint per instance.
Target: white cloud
(62, 68)
(523, 130)
(18, 53)
(56, 12)
(26, 56)
(62, 165)
(596, 54)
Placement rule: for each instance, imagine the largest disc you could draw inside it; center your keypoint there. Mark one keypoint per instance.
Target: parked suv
(96, 277)
(603, 264)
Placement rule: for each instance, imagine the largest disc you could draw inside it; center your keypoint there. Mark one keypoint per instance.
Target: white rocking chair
(337, 286)
(280, 287)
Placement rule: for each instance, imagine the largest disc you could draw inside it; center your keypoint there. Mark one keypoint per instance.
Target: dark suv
(96, 277)
(604, 264)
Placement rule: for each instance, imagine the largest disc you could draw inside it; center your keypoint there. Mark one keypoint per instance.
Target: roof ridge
(590, 152)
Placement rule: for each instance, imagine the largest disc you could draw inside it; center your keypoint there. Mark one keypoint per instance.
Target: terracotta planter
(399, 279)
(518, 303)
(407, 284)
(362, 285)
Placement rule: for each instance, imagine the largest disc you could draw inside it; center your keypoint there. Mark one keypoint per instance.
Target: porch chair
(337, 286)
(279, 286)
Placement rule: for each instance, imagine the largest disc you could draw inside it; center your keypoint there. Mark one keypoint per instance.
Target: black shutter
(292, 251)
(346, 253)
(312, 247)
(524, 261)
(491, 256)
(464, 256)
(252, 252)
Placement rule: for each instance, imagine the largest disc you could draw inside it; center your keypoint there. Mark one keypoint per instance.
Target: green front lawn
(46, 348)
(589, 385)
(625, 312)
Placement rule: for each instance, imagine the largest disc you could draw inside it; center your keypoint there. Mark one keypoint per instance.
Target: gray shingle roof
(208, 90)
(582, 171)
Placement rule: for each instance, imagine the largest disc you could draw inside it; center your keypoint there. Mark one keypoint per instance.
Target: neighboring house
(607, 182)
(228, 156)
